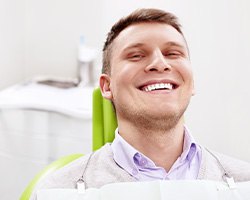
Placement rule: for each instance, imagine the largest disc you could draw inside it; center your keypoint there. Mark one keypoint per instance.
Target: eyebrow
(174, 44)
(136, 45)
(167, 44)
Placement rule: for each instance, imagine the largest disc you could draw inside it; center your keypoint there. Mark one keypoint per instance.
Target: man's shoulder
(238, 169)
(74, 170)
(67, 176)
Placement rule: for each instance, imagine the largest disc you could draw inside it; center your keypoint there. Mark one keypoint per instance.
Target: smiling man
(148, 77)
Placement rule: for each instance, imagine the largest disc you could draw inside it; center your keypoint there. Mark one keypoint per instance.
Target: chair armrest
(49, 169)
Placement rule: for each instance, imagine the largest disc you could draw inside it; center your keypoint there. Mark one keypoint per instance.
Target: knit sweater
(99, 168)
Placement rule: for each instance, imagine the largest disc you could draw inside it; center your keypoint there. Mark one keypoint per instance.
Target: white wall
(217, 32)
(53, 30)
(12, 41)
(41, 37)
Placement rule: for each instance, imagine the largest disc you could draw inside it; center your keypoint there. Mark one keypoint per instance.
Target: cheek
(124, 74)
(185, 71)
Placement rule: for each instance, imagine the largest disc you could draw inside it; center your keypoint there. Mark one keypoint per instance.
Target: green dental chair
(104, 124)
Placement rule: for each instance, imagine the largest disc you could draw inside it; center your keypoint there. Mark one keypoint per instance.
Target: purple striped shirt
(143, 168)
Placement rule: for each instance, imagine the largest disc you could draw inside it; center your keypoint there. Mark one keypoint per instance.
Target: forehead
(148, 34)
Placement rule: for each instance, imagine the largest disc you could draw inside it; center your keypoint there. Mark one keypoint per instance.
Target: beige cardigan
(99, 169)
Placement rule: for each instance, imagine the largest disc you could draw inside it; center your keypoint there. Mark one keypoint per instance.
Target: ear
(104, 83)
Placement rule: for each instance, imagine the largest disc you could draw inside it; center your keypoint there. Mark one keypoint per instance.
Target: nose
(158, 63)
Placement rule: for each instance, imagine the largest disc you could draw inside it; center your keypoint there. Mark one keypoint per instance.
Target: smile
(158, 86)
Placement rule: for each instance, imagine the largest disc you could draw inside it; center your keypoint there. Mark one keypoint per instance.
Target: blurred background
(57, 43)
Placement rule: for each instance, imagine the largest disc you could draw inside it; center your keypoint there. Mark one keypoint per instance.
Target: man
(148, 77)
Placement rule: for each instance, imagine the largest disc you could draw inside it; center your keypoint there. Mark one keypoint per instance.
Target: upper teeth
(156, 86)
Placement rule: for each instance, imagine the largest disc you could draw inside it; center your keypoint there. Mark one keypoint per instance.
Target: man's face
(151, 74)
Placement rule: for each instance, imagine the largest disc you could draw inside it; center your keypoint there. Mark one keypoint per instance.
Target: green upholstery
(103, 123)
(104, 120)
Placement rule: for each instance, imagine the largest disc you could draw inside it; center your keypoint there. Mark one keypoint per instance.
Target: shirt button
(143, 162)
(134, 172)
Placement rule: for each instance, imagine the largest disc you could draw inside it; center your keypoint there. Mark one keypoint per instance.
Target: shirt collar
(189, 146)
(123, 153)
(126, 156)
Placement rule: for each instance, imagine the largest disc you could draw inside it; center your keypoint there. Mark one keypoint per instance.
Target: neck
(163, 146)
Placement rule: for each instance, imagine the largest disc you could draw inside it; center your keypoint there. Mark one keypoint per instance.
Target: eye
(172, 54)
(136, 56)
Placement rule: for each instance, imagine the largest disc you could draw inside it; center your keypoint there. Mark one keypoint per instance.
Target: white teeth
(156, 86)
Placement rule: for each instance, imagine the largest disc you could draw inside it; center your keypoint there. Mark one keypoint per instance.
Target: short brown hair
(138, 16)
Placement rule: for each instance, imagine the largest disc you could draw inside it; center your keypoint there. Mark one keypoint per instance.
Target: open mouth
(158, 86)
